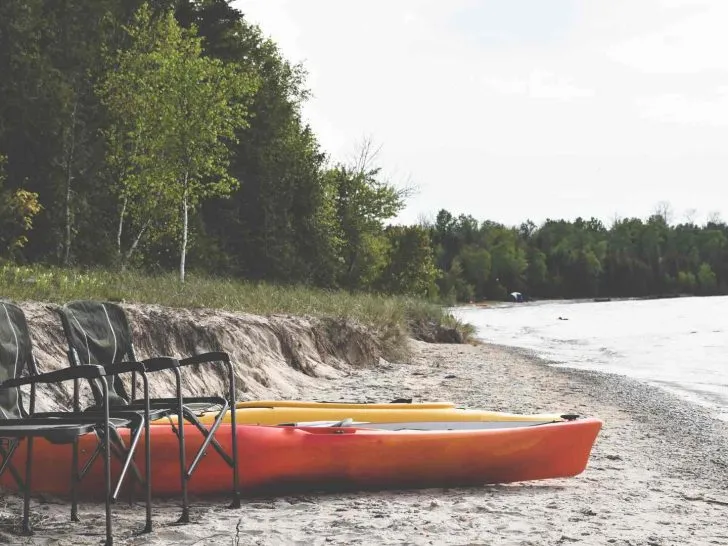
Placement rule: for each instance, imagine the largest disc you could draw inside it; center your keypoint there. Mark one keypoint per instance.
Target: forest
(168, 136)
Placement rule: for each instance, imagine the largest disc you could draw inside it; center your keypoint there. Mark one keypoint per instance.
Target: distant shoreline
(500, 303)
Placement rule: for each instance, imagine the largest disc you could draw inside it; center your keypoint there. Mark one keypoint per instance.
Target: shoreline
(484, 304)
(657, 407)
(658, 473)
(597, 338)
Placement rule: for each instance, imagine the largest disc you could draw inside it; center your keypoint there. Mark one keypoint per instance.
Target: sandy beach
(658, 474)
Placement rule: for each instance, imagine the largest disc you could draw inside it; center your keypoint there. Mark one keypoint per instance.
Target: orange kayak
(292, 458)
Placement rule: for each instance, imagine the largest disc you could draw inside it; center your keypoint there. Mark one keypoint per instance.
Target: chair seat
(196, 405)
(60, 432)
(154, 413)
(119, 421)
(201, 407)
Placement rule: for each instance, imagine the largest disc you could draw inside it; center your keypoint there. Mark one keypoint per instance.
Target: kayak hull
(286, 459)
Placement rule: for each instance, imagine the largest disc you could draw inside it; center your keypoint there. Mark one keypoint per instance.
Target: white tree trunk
(133, 246)
(70, 151)
(121, 228)
(183, 253)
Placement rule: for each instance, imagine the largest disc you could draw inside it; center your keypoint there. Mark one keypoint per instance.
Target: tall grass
(62, 285)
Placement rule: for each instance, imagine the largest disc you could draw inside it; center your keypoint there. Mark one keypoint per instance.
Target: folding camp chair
(17, 424)
(12, 319)
(100, 332)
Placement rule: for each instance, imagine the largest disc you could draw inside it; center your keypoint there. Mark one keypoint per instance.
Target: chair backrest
(98, 333)
(16, 356)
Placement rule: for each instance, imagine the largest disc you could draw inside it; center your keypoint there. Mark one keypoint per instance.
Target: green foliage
(508, 258)
(578, 259)
(174, 113)
(361, 205)
(537, 270)
(50, 56)
(410, 267)
(706, 279)
(278, 225)
(476, 264)
(17, 210)
(686, 282)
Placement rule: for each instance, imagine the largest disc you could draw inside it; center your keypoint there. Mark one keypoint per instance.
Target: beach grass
(383, 312)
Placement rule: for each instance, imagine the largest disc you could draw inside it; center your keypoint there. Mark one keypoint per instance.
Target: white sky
(516, 109)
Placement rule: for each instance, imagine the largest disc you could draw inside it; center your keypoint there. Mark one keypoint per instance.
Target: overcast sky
(521, 109)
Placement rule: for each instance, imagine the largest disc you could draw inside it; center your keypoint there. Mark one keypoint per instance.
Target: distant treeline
(583, 258)
(168, 134)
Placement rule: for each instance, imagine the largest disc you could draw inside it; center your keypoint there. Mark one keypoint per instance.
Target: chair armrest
(124, 367)
(160, 363)
(215, 356)
(78, 372)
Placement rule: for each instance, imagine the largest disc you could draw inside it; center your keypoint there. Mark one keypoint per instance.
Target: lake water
(678, 344)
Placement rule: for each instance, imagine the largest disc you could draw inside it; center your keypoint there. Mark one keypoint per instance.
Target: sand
(658, 474)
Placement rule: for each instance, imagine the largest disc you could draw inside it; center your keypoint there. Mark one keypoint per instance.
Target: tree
(17, 209)
(508, 259)
(175, 113)
(537, 271)
(476, 266)
(361, 204)
(664, 210)
(690, 215)
(50, 57)
(706, 279)
(137, 135)
(714, 217)
(280, 224)
(410, 267)
(686, 281)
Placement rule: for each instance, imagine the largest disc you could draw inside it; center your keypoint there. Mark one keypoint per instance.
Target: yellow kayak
(265, 413)
(342, 405)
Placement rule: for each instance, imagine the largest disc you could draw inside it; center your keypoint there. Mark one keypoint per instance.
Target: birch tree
(175, 114)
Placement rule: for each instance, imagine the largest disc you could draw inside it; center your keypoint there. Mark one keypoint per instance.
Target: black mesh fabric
(98, 333)
(15, 357)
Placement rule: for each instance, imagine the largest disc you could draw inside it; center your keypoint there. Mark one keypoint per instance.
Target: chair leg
(147, 454)
(185, 517)
(26, 529)
(7, 464)
(233, 422)
(148, 461)
(210, 440)
(75, 477)
(132, 485)
(107, 464)
(126, 457)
